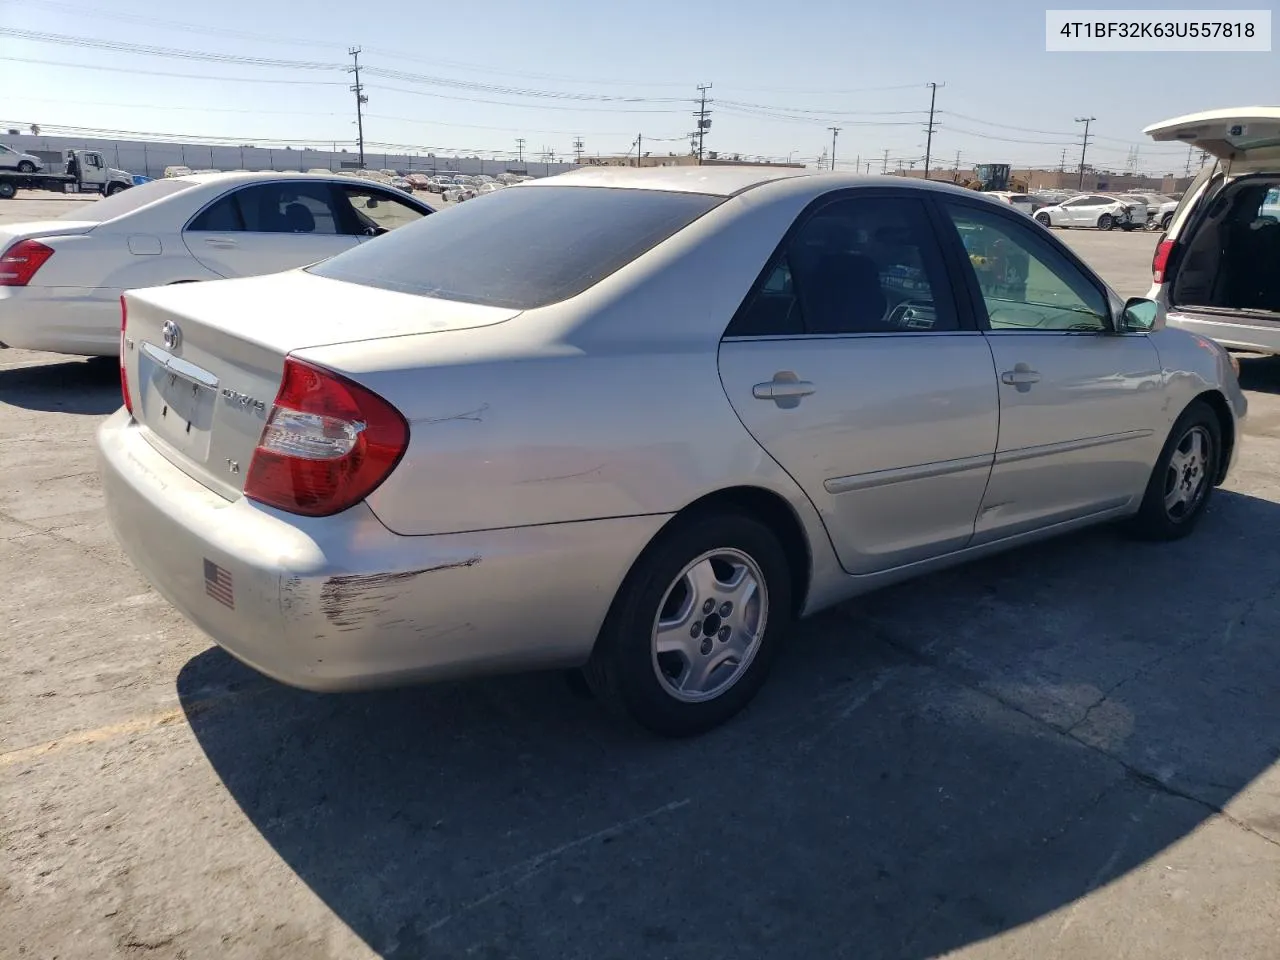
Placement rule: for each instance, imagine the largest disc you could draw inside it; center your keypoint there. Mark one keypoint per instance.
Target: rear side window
(520, 248)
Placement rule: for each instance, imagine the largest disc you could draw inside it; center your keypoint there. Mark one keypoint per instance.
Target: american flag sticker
(217, 584)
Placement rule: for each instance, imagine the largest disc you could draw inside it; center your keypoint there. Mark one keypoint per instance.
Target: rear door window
(289, 207)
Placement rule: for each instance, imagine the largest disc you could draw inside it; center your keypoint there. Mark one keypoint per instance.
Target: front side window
(375, 212)
(1026, 284)
(523, 248)
(4, 149)
(861, 265)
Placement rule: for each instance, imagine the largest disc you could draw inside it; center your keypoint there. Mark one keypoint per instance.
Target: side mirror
(1141, 315)
(371, 204)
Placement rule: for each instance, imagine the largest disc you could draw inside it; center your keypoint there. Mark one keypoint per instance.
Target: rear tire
(1106, 222)
(7, 190)
(1044, 220)
(694, 628)
(26, 166)
(1168, 219)
(1183, 479)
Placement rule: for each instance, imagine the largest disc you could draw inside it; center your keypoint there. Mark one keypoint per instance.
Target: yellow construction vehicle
(993, 177)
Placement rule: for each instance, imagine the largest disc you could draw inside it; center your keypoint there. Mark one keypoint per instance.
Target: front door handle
(785, 389)
(1020, 375)
(220, 241)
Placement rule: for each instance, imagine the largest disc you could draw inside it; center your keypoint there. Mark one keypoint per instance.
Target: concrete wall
(150, 159)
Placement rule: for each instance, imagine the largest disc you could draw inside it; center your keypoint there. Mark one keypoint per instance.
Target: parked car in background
(445, 469)
(1021, 202)
(176, 170)
(490, 188)
(419, 181)
(459, 192)
(401, 183)
(1094, 210)
(11, 159)
(1217, 267)
(61, 280)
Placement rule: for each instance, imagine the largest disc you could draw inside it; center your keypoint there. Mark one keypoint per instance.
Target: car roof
(254, 176)
(728, 181)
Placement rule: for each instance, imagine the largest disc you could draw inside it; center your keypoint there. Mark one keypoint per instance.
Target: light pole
(1084, 146)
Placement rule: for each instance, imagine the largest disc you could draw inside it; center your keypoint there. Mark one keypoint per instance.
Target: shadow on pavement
(928, 767)
(1260, 373)
(85, 386)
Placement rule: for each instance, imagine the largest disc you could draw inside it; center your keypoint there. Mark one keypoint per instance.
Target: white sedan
(1095, 210)
(61, 280)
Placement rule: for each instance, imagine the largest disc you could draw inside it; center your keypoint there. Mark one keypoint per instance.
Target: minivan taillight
(1161, 260)
(21, 261)
(124, 372)
(327, 445)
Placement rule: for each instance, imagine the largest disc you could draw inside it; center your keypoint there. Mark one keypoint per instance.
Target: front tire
(1183, 478)
(1106, 222)
(694, 629)
(114, 189)
(1044, 220)
(26, 166)
(1168, 219)
(7, 190)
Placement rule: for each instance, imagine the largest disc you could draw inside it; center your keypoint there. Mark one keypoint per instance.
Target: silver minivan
(1216, 269)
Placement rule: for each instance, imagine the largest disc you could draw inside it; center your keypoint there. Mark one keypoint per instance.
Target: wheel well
(775, 513)
(1226, 423)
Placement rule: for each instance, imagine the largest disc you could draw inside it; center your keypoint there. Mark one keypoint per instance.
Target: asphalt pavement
(1068, 752)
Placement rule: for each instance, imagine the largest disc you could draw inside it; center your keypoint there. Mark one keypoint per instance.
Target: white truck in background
(84, 171)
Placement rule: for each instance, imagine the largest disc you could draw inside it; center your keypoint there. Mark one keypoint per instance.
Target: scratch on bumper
(350, 602)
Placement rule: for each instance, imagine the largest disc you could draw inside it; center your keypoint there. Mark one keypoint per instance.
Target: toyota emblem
(172, 334)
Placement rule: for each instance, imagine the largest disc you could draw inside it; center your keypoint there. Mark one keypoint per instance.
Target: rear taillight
(124, 371)
(21, 261)
(327, 445)
(1161, 260)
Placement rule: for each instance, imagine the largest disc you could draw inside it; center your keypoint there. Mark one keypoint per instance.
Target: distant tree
(35, 129)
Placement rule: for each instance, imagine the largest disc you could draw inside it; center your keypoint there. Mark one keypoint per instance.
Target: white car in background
(61, 280)
(11, 159)
(1095, 210)
(1021, 202)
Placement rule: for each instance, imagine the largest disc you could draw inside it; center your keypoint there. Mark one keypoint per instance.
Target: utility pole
(577, 151)
(857, 164)
(1084, 145)
(704, 118)
(639, 145)
(520, 151)
(358, 89)
(1187, 171)
(835, 132)
(884, 168)
(1062, 163)
(929, 130)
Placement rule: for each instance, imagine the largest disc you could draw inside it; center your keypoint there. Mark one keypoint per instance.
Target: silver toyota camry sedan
(636, 422)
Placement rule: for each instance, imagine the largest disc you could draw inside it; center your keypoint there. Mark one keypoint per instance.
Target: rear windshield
(126, 201)
(520, 248)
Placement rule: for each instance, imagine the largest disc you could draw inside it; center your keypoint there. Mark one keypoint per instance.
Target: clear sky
(474, 77)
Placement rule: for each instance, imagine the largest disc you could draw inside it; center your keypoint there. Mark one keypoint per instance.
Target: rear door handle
(785, 389)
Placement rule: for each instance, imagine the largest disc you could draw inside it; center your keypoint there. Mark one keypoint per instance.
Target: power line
(143, 49)
(165, 73)
(522, 106)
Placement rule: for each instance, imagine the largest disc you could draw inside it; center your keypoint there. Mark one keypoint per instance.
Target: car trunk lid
(203, 362)
(11, 233)
(1246, 139)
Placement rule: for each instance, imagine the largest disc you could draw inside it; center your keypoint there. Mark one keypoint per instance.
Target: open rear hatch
(1245, 139)
(203, 362)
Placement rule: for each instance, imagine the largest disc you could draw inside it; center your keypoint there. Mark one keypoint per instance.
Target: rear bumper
(77, 320)
(1243, 335)
(342, 603)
